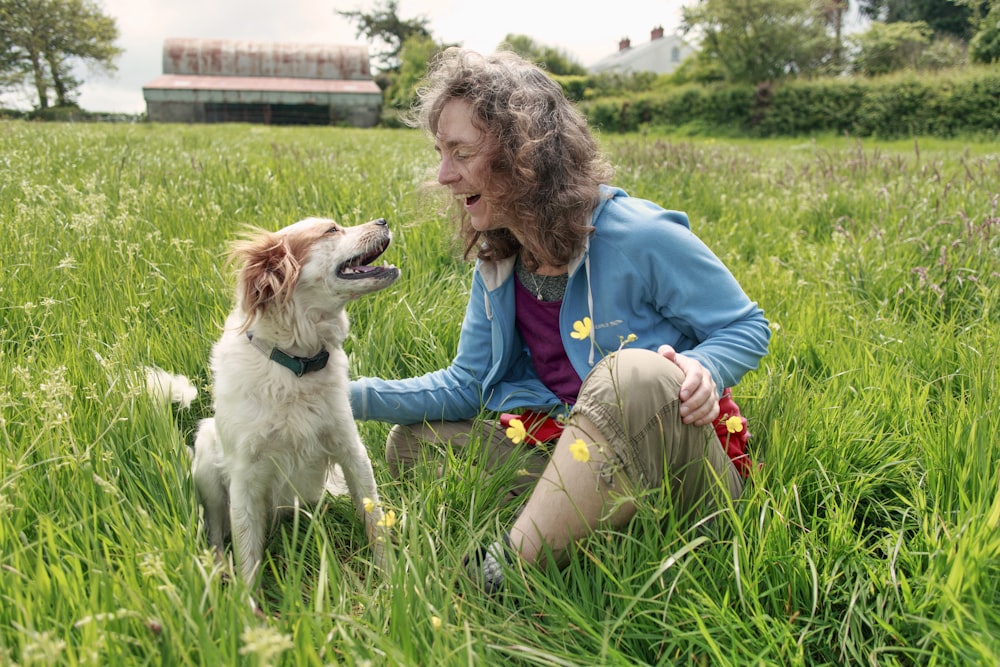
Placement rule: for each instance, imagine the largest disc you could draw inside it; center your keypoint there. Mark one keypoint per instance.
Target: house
(216, 80)
(661, 54)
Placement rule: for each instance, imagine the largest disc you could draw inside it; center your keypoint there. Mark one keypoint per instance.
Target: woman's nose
(446, 172)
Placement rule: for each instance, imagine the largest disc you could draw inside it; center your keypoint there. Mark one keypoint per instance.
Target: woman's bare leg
(634, 394)
(571, 499)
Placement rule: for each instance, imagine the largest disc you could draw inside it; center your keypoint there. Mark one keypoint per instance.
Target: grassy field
(869, 537)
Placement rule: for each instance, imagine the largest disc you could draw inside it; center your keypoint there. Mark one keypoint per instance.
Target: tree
(384, 25)
(886, 47)
(985, 45)
(44, 39)
(833, 12)
(417, 51)
(553, 60)
(945, 17)
(759, 40)
(9, 73)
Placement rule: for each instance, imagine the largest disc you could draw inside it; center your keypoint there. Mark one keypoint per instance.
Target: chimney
(624, 44)
(656, 33)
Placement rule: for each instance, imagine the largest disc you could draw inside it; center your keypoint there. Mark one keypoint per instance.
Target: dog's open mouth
(360, 266)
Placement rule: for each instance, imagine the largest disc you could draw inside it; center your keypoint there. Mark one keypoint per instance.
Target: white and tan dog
(282, 411)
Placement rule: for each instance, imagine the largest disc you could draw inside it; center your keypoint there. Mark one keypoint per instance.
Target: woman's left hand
(699, 399)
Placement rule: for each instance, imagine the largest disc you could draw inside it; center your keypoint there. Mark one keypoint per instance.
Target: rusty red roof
(231, 57)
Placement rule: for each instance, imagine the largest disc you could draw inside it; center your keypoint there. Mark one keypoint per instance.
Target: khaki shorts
(409, 445)
(632, 398)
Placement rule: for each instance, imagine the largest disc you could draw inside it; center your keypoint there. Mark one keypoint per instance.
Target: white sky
(587, 30)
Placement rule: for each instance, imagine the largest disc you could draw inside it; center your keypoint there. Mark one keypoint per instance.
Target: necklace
(543, 287)
(537, 288)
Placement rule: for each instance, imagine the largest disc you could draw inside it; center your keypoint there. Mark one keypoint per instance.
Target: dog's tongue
(469, 201)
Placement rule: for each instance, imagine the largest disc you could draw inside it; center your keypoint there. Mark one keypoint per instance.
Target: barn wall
(206, 80)
(172, 107)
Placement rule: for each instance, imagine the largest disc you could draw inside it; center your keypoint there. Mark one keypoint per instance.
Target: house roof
(662, 54)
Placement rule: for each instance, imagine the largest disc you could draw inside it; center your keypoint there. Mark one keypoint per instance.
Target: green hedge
(913, 103)
(691, 105)
(70, 114)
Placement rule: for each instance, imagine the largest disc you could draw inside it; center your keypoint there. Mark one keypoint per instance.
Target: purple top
(538, 322)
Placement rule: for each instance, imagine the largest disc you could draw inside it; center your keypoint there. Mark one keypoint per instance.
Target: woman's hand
(699, 399)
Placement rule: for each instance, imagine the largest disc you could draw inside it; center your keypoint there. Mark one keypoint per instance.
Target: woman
(586, 304)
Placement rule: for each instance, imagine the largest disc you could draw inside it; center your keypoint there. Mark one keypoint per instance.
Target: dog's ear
(268, 272)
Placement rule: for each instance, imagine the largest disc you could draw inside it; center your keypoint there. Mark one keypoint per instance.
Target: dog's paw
(169, 388)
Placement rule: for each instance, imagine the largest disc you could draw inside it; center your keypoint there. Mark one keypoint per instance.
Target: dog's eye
(333, 230)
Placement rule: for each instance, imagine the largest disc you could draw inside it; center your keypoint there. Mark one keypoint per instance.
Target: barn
(281, 83)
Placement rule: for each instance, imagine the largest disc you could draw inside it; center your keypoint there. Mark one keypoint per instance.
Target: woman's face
(464, 170)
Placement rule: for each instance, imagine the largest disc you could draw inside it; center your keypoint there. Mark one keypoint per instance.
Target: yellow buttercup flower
(369, 505)
(388, 520)
(625, 340)
(734, 424)
(581, 329)
(580, 451)
(435, 622)
(516, 431)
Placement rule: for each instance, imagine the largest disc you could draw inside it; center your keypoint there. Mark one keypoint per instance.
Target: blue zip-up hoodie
(642, 272)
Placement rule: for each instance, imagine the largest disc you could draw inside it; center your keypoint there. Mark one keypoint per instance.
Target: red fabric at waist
(540, 428)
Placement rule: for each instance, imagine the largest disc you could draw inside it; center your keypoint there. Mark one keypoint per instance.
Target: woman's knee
(399, 448)
(408, 445)
(633, 398)
(636, 372)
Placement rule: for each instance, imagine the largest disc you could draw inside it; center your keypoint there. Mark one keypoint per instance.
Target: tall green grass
(869, 536)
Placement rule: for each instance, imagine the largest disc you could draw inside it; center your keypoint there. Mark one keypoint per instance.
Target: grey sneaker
(486, 565)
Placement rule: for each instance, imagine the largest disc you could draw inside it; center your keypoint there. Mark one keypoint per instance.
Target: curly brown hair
(546, 163)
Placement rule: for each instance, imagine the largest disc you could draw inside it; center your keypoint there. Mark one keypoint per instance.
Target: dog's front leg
(361, 483)
(250, 513)
(210, 484)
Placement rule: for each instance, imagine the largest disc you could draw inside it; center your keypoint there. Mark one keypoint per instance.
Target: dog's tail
(168, 388)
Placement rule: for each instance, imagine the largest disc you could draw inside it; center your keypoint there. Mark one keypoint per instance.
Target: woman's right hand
(699, 398)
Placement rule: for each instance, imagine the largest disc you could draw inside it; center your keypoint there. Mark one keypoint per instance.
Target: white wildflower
(43, 647)
(264, 642)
